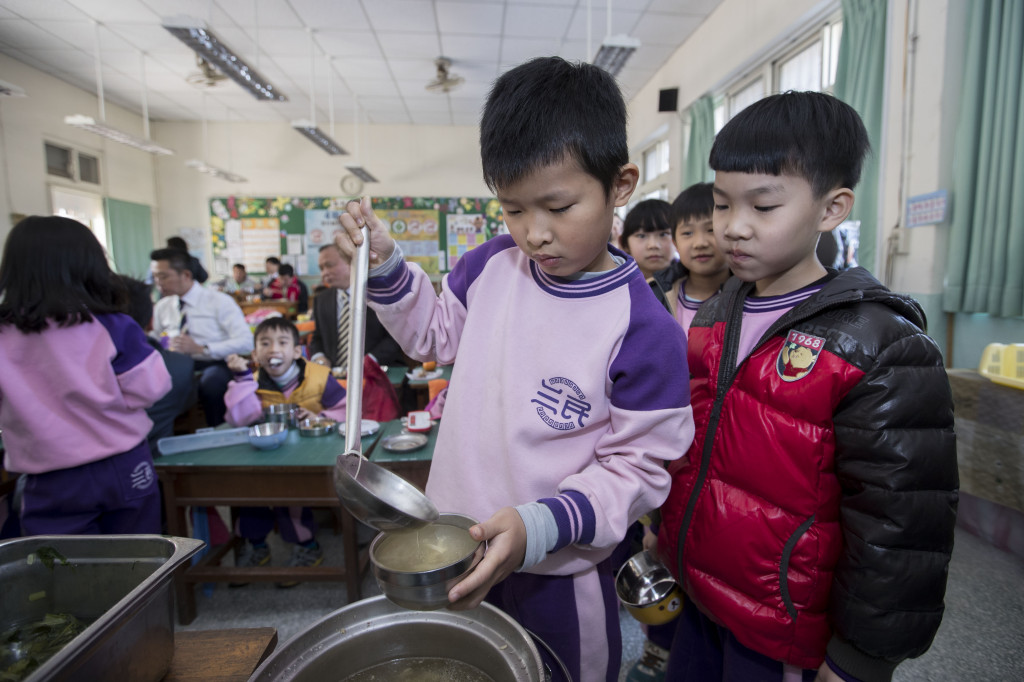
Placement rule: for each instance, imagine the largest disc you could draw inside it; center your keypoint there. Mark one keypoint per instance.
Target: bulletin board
(432, 231)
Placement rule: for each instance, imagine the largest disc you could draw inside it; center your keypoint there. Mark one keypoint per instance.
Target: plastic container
(1003, 363)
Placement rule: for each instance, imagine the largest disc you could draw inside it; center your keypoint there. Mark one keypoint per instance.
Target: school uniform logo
(798, 355)
(142, 476)
(561, 404)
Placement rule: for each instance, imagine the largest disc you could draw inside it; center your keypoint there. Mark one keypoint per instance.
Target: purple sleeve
(129, 341)
(575, 518)
(650, 371)
(141, 373)
(333, 394)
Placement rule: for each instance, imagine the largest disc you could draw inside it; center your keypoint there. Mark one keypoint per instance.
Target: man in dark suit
(328, 313)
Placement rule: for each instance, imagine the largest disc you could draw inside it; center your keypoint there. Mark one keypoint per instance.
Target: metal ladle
(374, 495)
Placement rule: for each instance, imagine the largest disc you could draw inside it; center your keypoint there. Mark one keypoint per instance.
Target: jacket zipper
(727, 371)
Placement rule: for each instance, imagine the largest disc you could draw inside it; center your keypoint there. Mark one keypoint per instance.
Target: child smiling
(283, 377)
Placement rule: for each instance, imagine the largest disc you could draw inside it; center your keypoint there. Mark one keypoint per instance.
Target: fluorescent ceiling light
(318, 137)
(94, 126)
(361, 173)
(206, 168)
(614, 52)
(10, 90)
(194, 33)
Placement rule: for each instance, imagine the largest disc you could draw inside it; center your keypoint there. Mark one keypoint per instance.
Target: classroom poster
(248, 229)
(416, 233)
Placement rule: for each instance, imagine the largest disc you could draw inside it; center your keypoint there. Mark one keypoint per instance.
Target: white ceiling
(381, 52)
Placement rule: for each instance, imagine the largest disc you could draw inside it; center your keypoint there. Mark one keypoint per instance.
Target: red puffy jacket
(816, 505)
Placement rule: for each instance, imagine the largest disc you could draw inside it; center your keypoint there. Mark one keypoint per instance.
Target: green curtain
(985, 265)
(860, 78)
(702, 136)
(130, 230)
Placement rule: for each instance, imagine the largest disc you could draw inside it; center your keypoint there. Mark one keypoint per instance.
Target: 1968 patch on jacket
(798, 355)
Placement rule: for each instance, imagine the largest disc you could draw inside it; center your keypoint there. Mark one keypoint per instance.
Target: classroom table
(299, 473)
(413, 466)
(285, 307)
(420, 387)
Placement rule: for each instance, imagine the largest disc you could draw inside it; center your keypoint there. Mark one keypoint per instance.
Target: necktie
(183, 326)
(343, 329)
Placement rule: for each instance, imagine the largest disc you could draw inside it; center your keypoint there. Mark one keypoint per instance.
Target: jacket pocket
(787, 551)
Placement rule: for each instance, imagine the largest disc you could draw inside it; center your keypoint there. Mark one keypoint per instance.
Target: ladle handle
(356, 341)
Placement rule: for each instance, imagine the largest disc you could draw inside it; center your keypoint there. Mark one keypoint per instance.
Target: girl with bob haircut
(76, 377)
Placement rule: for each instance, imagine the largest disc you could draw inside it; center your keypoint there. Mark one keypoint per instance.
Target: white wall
(26, 122)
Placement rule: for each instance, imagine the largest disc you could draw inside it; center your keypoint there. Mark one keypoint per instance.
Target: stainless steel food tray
(121, 581)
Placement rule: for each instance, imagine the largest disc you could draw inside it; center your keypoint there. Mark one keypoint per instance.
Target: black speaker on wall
(668, 100)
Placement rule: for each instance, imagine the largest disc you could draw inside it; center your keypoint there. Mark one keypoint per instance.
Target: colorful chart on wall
(432, 231)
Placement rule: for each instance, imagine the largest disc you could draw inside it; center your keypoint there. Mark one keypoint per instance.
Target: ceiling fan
(207, 76)
(444, 82)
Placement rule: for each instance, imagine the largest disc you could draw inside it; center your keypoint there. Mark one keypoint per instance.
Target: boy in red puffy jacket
(811, 522)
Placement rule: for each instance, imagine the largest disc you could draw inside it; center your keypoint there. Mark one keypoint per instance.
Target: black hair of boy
(649, 215)
(547, 110)
(53, 268)
(693, 203)
(286, 270)
(273, 259)
(176, 260)
(807, 134)
(274, 324)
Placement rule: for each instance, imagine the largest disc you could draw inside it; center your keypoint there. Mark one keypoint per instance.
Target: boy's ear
(296, 352)
(624, 184)
(838, 204)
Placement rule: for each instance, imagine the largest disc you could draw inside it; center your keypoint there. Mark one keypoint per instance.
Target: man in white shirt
(201, 322)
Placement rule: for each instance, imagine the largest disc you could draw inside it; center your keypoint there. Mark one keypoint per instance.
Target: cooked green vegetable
(26, 647)
(48, 555)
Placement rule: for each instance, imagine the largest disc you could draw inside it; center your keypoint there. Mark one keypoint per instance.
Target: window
(88, 168)
(655, 161)
(809, 65)
(745, 97)
(71, 164)
(58, 161)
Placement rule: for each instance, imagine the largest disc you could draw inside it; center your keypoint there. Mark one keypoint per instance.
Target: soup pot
(374, 631)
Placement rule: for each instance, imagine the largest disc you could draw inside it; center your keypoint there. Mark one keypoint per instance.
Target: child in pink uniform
(76, 377)
(570, 390)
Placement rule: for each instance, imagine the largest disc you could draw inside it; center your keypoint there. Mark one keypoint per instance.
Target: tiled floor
(981, 637)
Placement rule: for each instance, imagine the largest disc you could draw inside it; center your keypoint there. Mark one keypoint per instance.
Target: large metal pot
(375, 631)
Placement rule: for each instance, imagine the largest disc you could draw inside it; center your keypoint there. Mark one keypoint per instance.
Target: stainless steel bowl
(268, 435)
(282, 412)
(378, 497)
(374, 631)
(647, 589)
(445, 551)
(316, 426)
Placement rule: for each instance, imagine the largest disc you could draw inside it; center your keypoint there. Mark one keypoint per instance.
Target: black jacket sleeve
(380, 344)
(896, 465)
